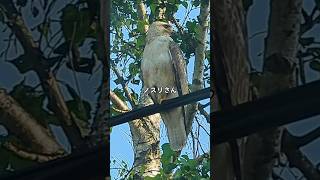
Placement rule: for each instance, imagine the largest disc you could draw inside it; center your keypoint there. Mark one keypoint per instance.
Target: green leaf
(197, 30)
(83, 113)
(315, 65)
(44, 29)
(167, 158)
(153, 8)
(134, 69)
(141, 41)
(75, 23)
(85, 65)
(23, 63)
(21, 3)
(191, 26)
(119, 93)
(113, 111)
(185, 4)
(32, 101)
(196, 3)
(118, 80)
(62, 49)
(306, 41)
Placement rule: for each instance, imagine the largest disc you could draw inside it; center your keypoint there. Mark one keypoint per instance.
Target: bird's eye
(166, 26)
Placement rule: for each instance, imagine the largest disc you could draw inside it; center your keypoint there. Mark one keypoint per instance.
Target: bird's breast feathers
(156, 60)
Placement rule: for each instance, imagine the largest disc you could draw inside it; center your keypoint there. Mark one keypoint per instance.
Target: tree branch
(203, 112)
(118, 102)
(40, 66)
(290, 146)
(142, 14)
(99, 130)
(30, 155)
(278, 74)
(308, 138)
(197, 79)
(28, 130)
(124, 85)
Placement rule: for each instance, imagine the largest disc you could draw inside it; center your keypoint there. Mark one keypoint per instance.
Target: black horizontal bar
(280, 109)
(155, 108)
(276, 110)
(90, 163)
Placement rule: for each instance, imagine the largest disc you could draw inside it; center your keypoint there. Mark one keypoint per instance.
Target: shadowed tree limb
(42, 69)
(99, 130)
(291, 147)
(38, 139)
(280, 62)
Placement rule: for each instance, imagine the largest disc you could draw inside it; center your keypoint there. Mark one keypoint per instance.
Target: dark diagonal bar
(273, 111)
(155, 108)
(280, 109)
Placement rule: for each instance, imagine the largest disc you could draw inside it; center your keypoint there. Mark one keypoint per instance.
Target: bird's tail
(177, 138)
(175, 128)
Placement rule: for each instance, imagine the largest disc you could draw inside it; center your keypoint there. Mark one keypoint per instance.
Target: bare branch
(290, 146)
(124, 85)
(308, 138)
(48, 81)
(118, 102)
(203, 112)
(197, 79)
(29, 155)
(28, 130)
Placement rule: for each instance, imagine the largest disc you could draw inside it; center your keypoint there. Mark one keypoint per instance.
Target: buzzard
(163, 67)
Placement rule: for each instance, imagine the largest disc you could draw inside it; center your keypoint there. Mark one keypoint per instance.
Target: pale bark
(197, 77)
(145, 131)
(36, 141)
(278, 74)
(145, 137)
(146, 141)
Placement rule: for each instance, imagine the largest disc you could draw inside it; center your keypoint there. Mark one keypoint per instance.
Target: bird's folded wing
(179, 67)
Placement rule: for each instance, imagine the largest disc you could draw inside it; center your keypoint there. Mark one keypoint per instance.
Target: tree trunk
(231, 76)
(280, 51)
(281, 44)
(146, 142)
(146, 131)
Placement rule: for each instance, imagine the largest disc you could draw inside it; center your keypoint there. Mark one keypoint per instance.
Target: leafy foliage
(172, 168)
(61, 34)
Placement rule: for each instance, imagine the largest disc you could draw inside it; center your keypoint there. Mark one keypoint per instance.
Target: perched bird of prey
(163, 67)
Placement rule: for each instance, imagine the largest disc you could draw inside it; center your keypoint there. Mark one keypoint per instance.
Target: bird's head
(159, 28)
